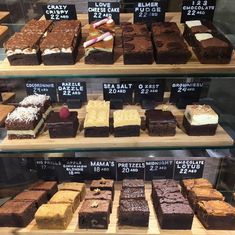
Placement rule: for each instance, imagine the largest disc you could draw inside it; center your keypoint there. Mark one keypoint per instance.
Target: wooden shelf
(118, 68)
(153, 229)
(3, 15)
(43, 141)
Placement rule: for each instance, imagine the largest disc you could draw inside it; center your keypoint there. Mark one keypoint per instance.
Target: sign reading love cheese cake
(198, 10)
(100, 10)
(59, 12)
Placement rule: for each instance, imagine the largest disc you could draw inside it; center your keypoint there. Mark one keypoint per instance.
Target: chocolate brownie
(160, 123)
(62, 127)
(67, 26)
(137, 29)
(133, 213)
(132, 183)
(132, 193)
(103, 184)
(38, 197)
(137, 50)
(216, 215)
(49, 186)
(17, 213)
(159, 28)
(94, 214)
(23, 48)
(164, 183)
(40, 26)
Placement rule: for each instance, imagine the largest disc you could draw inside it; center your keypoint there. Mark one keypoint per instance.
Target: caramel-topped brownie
(108, 25)
(137, 50)
(59, 48)
(43, 102)
(24, 123)
(40, 26)
(165, 28)
(23, 49)
(137, 29)
(200, 120)
(216, 215)
(126, 123)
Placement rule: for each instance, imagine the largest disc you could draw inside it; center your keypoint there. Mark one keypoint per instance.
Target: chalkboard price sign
(188, 169)
(198, 10)
(59, 12)
(100, 10)
(149, 12)
(130, 170)
(49, 89)
(160, 169)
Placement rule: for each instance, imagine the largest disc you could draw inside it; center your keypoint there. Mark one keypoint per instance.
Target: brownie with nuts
(49, 186)
(132, 183)
(94, 214)
(137, 29)
(133, 213)
(132, 193)
(103, 184)
(137, 50)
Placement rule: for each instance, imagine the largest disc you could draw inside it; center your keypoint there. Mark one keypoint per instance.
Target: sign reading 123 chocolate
(59, 12)
(101, 10)
(150, 11)
(198, 10)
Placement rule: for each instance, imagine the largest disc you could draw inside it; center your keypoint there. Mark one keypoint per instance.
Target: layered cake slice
(212, 48)
(59, 48)
(160, 123)
(126, 123)
(24, 123)
(138, 29)
(137, 50)
(40, 26)
(100, 27)
(200, 120)
(23, 49)
(43, 102)
(99, 49)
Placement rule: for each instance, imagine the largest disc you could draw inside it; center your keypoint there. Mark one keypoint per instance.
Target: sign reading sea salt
(59, 12)
(198, 10)
(101, 10)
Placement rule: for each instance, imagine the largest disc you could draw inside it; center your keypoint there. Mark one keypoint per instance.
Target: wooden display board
(113, 228)
(118, 68)
(181, 139)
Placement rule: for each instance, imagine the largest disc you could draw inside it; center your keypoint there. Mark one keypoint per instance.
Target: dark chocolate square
(132, 193)
(49, 186)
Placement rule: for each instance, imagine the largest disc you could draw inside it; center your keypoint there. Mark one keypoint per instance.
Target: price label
(72, 90)
(185, 169)
(49, 89)
(130, 170)
(59, 12)
(115, 91)
(150, 12)
(160, 169)
(105, 169)
(198, 10)
(149, 91)
(100, 10)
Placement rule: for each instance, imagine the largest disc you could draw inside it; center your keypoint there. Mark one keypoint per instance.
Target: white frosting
(97, 118)
(201, 115)
(26, 51)
(57, 50)
(193, 23)
(34, 100)
(129, 117)
(97, 105)
(203, 36)
(110, 37)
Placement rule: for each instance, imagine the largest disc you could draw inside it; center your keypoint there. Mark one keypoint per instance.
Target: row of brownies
(56, 43)
(27, 120)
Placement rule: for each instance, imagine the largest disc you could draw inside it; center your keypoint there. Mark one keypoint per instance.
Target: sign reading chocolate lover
(160, 169)
(185, 169)
(100, 10)
(59, 12)
(102, 168)
(43, 88)
(130, 170)
(149, 91)
(115, 91)
(148, 12)
(198, 10)
(72, 90)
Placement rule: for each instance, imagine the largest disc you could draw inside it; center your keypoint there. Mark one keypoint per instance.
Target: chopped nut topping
(94, 204)
(97, 191)
(103, 181)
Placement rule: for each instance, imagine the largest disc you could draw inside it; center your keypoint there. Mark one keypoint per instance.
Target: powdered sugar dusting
(22, 114)
(34, 100)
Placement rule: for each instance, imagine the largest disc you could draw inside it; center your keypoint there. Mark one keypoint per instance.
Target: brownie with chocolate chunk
(40, 26)
(137, 29)
(137, 50)
(132, 193)
(23, 48)
(103, 184)
(49, 186)
(159, 28)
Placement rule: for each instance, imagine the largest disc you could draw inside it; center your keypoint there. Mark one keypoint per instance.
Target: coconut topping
(34, 100)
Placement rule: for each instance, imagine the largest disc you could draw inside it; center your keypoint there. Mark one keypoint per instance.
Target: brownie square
(67, 26)
(164, 183)
(132, 193)
(74, 186)
(54, 216)
(132, 183)
(17, 213)
(137, 50)
(62, 127)
(49, 186)
(103, 184)
(133, 213)
(40, 26)
(94, 214)
(137, 29)
(167, 28)
(160, 123)
(38, 197)
(217, 215)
